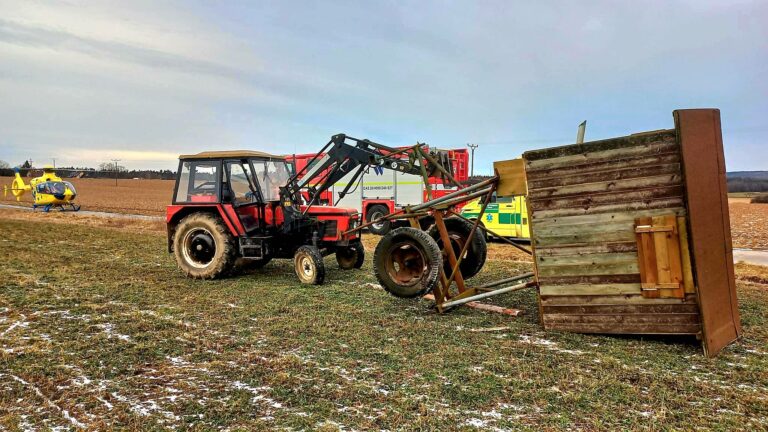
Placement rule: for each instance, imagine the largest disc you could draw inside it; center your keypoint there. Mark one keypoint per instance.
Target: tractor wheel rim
(406, 264)
(375, 215)
(457, 243)
(199, 247)
(347, 256)
(307, 268)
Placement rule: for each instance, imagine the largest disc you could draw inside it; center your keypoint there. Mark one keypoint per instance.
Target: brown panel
(624, 309)
(614, 328)
(701, 140)
(673, 156)
(613, 300)
(675, 205)
(587, 200)
(634, 144)
(618, 173)
(623, 318)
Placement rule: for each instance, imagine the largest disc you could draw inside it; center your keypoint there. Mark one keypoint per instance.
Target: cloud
(87, 80)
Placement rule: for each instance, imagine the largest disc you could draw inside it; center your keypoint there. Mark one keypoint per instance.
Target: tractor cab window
(239, 183)
(271, 175)
(198, 182)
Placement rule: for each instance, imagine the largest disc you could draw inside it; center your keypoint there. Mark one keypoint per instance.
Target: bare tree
(111, 166)
(4, 164)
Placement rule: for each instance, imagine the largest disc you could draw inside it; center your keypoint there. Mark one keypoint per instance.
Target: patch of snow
(178, 361)
(73, 421)
(105, 402)
(550, 345)
(257, 394)
(109, 328)
(476, 422)
(82, 381)
(20, 323)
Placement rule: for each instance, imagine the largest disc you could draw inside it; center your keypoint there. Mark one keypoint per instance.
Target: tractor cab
(227, 209)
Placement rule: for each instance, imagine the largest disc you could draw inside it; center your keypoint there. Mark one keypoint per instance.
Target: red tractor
(236, 208)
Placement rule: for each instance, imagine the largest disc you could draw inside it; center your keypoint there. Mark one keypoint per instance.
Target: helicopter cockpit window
(198, 182)
(271, 175)
(71, 187)
(57, 188)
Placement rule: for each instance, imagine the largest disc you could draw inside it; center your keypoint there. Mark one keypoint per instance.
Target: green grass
(99, 329)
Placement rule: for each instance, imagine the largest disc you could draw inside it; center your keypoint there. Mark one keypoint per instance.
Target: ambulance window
(505, 200)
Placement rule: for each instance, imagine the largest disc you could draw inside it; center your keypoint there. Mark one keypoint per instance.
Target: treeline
(83, 172)
(746, 184)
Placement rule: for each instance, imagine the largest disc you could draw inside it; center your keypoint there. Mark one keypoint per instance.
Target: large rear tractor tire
(407, 262)
(351, 257)
(458, 231)
(375, 212)
(309, 266)
(203, 247)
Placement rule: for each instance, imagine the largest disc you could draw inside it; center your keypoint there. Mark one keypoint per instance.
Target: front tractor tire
(407, 262)
(375, 212)
(309, 266)
(351, 257)
(203, 247)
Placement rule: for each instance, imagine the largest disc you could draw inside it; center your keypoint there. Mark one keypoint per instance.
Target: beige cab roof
(236, 154)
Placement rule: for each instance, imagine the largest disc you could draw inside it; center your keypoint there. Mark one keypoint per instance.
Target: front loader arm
(344, 154)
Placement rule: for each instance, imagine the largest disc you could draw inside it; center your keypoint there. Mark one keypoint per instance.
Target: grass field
(99, 330)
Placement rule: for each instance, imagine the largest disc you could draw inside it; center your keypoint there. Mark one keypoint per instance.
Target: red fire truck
(381, 191)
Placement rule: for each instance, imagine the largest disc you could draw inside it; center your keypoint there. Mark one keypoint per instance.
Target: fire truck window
(238, 181)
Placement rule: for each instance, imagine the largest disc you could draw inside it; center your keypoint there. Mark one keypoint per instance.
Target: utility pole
(114, 165)
(472, 158)
(54, 162)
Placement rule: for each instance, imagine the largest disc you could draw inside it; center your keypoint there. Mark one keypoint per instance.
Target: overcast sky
(84, 82)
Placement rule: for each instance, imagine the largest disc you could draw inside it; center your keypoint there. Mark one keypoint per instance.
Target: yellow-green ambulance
(506, 216)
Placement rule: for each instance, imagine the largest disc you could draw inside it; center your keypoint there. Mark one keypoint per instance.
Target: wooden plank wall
(583, 200)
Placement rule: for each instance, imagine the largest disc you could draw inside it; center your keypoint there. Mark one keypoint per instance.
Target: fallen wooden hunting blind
(631, 235)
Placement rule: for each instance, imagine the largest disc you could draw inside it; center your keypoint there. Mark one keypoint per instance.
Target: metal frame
(445, 297)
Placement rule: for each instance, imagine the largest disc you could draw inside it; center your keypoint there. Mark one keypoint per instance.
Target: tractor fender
(175, 213)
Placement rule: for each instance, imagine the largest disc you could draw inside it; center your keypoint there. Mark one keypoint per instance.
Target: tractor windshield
(271, 175)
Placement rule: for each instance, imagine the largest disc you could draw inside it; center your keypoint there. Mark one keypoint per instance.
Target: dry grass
(749, 225)
(100, 330)
(83, 219)
(129, 196)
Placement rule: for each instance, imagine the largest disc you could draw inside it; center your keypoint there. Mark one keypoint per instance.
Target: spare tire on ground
(407, 262)
(458, 231)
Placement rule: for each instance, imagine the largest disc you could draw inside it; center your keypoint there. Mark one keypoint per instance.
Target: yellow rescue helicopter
(48, 191)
